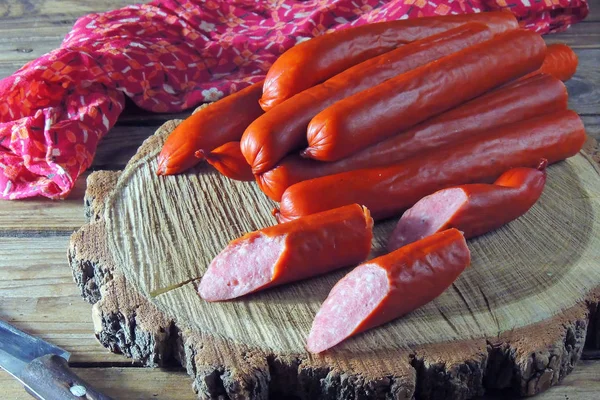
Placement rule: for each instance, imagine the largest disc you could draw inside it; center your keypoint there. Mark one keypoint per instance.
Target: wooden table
(37, 293)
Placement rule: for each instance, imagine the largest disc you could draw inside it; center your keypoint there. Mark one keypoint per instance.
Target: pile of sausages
(451, 120)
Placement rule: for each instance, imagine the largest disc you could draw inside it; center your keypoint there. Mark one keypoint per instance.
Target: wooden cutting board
(516, 319)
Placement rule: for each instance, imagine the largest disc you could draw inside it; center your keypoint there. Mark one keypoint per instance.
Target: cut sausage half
(289, 252)
(474, 209)
(389, 287)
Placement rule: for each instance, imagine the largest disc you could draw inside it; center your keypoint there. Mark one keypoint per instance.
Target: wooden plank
(584, 88)
(592, 125)
(37, 295)
(594, 15)
(42, 9)
(581, 384)
(579, 36)
(35, 266)
(9, 68)
(121, 383)
(141, 383)
(41, 216)
(591, 354)
(30, 46)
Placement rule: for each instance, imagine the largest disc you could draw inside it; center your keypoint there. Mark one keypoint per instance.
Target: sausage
(229, 161)
(285, 253)
(560, 62)
(474, 209)
(387, 191)
(517, 101)
(388, 287)
(322, 57)
(374, 114)
(210, 127)
(273, 135)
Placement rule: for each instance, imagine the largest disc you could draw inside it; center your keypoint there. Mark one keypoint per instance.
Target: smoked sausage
(289, 252)
(560, 62)
(210, 127)
(322, 57)
(388, 191)
(374, 114)
(517, 101)
(275, 134)
(473, 209)
(229, 161)
(388, 287)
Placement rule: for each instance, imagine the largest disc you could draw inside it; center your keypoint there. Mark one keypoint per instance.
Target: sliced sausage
(517, 101)
(387, 191)
(474, 209)
(322, 57)
(289, 252)
(374, 114)
(388, 287)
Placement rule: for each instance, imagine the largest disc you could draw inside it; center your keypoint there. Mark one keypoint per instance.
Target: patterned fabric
(171, 55)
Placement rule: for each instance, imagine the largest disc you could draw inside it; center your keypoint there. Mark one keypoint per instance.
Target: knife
(41, 367)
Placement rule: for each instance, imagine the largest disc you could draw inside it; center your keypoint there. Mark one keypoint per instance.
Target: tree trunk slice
(518, 318)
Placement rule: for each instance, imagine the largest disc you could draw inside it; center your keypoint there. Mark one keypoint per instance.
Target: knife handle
(50, 378)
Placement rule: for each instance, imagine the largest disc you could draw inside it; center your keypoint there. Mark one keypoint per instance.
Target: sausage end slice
(388, 287)
(279, 254)
(428, 216)
(350, 302)
(256, 258)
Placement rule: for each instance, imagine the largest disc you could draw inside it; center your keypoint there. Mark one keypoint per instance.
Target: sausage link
(289, 252)
(517, 101)
(388, 287)
(374, 114)
(229, 161)
(282, 130)
(473, 209)
(322, 57)
(387, 191)
(560, 62)
(210, 127)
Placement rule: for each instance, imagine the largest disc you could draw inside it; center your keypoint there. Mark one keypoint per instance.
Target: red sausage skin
(388, 287)
(214, 125)
(473, 209)
(560, 62)
(322, 57)
(390, 190)
(374, 114)
(289, 252)
(229, 161)
(518, 101)
(273, 135)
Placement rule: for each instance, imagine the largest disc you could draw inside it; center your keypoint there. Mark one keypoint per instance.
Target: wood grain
(120, 383)
(45, 9)
(257, 355)
(581, 384)
(39, 217)
(37, 295)
(579, 36)
(594, 14)
(144, 384)
(186, 231)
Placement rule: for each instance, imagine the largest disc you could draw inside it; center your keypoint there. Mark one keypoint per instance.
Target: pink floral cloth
(171, 55)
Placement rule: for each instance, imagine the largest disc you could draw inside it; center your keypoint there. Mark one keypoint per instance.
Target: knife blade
(41, 367)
